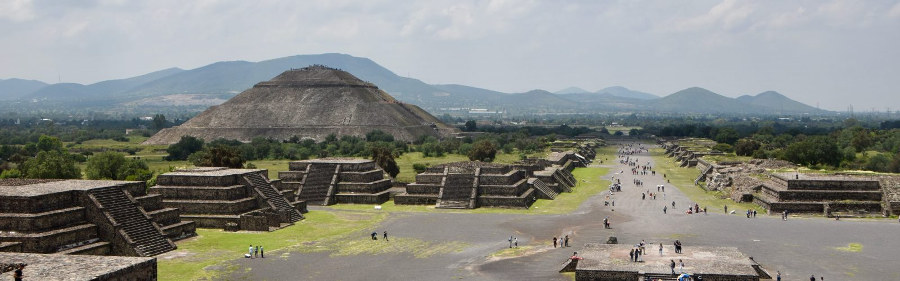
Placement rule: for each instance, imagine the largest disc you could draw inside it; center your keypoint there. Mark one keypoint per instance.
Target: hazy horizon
(825, 53)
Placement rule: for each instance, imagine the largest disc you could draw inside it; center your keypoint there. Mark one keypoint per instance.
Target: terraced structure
(231, 199)
(330, 181)
(87, 217)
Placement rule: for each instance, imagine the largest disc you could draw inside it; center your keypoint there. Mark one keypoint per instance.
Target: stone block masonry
(79, 267)
(215, 197)
(86, 217)
(336, 180)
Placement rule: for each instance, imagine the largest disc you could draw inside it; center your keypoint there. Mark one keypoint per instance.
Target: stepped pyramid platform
(844, 195)
(95, 217)
(468, 185)
(231, 199)
(330, 181)
(48, 267)
(556, 177)
(311, 102)
(689, 150)
(611, 262)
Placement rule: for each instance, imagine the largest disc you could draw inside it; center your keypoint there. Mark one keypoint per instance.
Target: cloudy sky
(831, 53)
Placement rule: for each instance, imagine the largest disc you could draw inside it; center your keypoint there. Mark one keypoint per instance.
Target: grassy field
(683, 179)
(623, 129)
(214, 247)
(590, 182)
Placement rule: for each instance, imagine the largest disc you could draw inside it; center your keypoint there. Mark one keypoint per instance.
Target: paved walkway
(797, 247)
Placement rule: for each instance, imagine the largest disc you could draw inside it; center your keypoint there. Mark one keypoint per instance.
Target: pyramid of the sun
(311, 102)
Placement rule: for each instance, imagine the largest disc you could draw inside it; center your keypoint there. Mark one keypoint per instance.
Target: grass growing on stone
(590, 182)
(852, 247)
(213, 247)
(683, 179)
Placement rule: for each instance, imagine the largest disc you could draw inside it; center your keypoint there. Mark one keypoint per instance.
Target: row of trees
(48, 159)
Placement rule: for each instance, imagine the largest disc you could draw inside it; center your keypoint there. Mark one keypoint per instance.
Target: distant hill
(777, 101)
(572, 90)
(198, 88)
(627, 93)
(18, 88)
(700, 100)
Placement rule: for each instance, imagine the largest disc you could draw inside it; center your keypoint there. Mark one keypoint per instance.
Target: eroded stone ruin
(330, 181)
(93, 217)
(311, 102)
(230, 199)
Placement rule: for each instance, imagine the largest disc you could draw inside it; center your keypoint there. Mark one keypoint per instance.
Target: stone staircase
(272, 195)
(316, 182)
(132, 222)
(456, 193)
(703, 174)
(545, 191)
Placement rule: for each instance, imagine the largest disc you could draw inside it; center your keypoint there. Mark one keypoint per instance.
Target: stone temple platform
(611, 262)
(87, 217)
(77, 267)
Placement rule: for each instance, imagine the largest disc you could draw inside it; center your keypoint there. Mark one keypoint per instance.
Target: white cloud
(16, 10)
(727, 15)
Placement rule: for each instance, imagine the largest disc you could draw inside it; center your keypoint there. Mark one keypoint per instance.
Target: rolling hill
(195, 89)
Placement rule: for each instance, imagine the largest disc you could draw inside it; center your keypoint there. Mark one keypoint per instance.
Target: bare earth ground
(797, 247)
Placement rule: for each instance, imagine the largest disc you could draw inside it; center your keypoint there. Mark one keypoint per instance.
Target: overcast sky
(831, 53)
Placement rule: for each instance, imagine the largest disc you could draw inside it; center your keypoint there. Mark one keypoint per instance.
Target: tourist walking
(510, 241)
(567, 241)
(682, 266)
(664, 209)
(256, 252)
(554, 242)
(18, 275)
(385, 235)
(374, 235)
(631, 255)
(778, 276)
(262, 252)
(250, 253)
(516, 242)
(672, 266)
(812, 277)
(660, 249)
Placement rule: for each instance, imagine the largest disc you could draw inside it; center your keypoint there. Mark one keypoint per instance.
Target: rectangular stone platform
(48, 267)
(612, 262)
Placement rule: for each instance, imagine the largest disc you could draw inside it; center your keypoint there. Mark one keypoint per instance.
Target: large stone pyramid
(311, 102)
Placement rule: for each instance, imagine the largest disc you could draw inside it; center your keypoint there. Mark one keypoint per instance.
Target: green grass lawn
(683, 179)
(214, 247)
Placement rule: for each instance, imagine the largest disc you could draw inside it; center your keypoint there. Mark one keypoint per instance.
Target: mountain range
(213, 84)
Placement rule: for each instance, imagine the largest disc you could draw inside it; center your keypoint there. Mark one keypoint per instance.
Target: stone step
(96, 248)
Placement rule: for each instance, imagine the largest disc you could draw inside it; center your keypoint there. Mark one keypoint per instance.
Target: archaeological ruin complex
(230, 199)
(94, 217)
(766, 183)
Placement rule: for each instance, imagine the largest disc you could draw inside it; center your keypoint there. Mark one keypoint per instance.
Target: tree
(814, 150)
(48, 143)
(746, 147)
(159, 121)
(879, 163)
(104, 165)
(384, 158)
(183, 148)
(727, 135)
(483, 150)
(218, 156)
(471, 126)
(379, 136)
(114, 166)
(50, 165)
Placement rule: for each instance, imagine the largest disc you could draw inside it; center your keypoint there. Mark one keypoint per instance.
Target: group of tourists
(374, 235)
(562, 241)
(255, 252)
